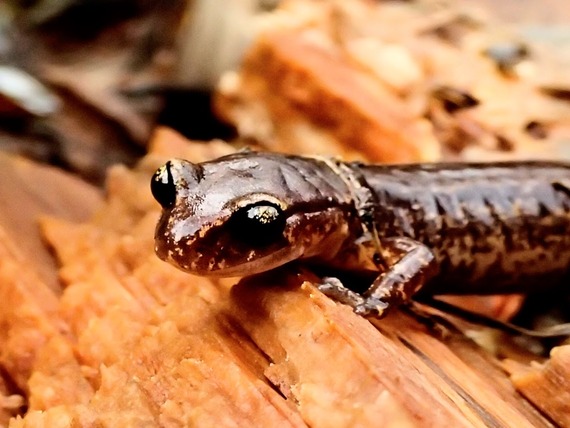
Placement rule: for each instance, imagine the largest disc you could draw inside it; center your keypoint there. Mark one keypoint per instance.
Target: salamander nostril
(163, 187)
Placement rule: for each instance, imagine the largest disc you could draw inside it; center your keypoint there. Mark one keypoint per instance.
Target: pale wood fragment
(546, 385)
(10, 403)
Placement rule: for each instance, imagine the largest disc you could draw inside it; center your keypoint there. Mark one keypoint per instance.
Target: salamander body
(454, 228)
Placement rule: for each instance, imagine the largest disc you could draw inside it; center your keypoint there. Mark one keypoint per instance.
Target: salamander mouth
(214, 251)
(227, 268)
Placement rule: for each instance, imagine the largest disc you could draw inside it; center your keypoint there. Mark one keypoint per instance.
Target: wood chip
(546, 385)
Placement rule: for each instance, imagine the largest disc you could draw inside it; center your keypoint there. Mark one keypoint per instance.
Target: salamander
(442, 228)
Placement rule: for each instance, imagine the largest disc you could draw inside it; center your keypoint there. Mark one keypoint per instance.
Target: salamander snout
(163, 187)
(172, 177)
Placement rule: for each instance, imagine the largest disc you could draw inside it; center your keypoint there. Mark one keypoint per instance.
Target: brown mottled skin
(462, 228)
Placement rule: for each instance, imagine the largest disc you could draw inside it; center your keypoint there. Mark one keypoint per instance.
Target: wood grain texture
(135, 342)
(321, 349)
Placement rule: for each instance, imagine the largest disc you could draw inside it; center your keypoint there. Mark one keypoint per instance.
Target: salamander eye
(163, 187)
(258, 224)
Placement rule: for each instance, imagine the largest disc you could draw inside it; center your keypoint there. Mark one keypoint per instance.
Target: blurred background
(84, 83)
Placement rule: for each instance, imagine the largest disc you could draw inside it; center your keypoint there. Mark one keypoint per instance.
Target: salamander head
(244, 214)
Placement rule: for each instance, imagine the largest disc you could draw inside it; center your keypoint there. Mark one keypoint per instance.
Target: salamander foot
(335, 289)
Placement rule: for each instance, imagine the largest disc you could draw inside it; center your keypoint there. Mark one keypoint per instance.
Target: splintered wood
(131, 341)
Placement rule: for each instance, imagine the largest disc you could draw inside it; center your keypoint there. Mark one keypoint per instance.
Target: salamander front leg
(410, 265)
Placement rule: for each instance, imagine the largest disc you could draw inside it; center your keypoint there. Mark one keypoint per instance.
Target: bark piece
(302, 89)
